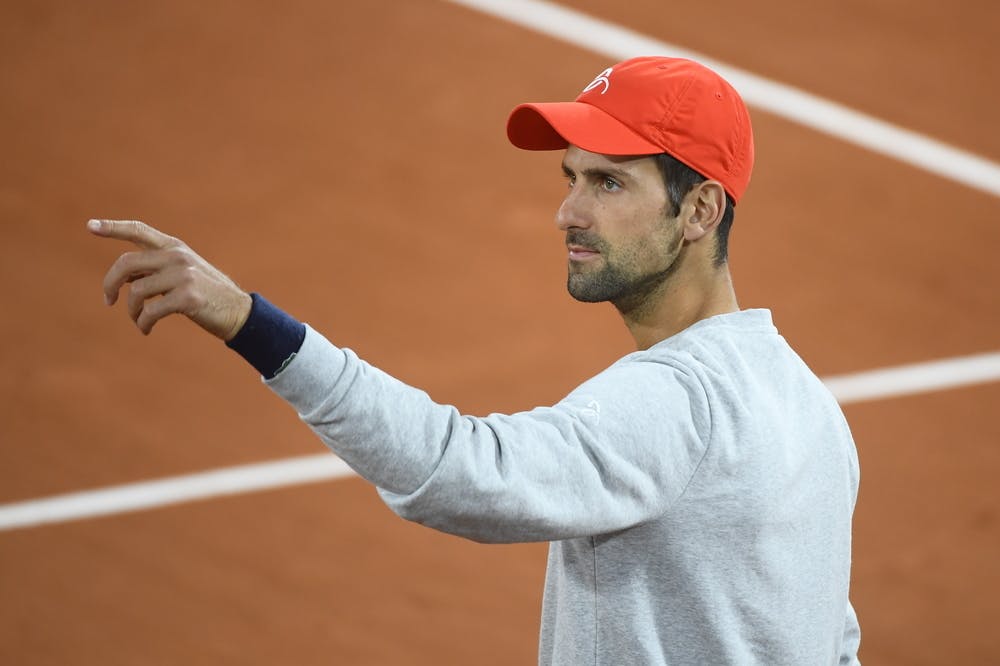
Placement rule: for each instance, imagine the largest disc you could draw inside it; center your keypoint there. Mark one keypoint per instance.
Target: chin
(588, 293)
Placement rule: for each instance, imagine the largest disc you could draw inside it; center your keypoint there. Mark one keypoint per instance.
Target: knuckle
(116, 273)
(137, 290)
(136, 295)
(149, 311)
(121, 263)
(151, 308)
(188, 278)
(180, 255)
(126, 263)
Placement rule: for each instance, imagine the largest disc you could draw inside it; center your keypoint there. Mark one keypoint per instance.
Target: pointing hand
(167, 277)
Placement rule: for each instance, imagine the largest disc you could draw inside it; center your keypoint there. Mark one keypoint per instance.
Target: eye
(610, 184)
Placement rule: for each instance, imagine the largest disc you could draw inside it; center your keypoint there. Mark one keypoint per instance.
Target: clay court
(348, 160)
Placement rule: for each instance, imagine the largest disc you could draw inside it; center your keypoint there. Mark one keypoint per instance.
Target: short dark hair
(679, 178)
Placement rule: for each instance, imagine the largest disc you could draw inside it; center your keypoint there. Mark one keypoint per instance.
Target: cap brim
(554, 125)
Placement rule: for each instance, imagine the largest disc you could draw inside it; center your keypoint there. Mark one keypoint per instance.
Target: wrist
(268, 338)
(242, 314)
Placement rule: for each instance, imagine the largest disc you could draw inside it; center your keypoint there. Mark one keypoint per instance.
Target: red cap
(645, 106)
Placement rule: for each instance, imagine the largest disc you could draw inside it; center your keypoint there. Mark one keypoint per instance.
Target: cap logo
(600, 80)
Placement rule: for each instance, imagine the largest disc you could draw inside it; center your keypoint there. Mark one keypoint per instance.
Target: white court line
(857, 387)
(173, 490)
(782, 100)
(917, 378)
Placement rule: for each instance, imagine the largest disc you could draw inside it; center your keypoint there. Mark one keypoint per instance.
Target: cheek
(665, 236)
(662, 248)
(653, 251)
(648, 238)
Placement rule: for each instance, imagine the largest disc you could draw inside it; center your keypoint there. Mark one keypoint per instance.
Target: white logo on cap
(600, 79)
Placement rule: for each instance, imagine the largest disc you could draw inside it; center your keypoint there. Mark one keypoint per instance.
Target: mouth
(581, 253)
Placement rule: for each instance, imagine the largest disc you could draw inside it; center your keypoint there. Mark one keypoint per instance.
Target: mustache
(585, 239)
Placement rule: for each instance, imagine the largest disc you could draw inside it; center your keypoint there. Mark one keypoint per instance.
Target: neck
(686, 297)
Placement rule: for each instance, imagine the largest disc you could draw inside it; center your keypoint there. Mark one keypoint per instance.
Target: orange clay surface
(348, 160)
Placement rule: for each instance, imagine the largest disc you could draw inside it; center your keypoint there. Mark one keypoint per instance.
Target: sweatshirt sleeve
(616, 452)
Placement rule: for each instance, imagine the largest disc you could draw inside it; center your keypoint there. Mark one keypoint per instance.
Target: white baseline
(779, 99)
(850, 388)
(174, 490)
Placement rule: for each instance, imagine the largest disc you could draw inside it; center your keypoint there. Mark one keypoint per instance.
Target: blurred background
(348, 161)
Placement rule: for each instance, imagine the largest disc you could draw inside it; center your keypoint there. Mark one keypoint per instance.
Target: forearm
(391, 434)
(271, 339)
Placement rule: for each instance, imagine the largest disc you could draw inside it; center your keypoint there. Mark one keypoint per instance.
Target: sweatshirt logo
(601, 79)
(592, 412)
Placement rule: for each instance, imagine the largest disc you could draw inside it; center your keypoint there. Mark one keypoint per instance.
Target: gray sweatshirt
(697, 495)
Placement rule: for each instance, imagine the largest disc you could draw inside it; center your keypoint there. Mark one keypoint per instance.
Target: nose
(572, 213)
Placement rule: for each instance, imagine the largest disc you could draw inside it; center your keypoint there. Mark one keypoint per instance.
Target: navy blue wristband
(269, 339)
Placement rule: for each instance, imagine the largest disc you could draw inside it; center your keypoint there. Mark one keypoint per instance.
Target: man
(697, 494)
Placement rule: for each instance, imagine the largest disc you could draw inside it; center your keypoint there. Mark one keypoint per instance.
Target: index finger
(135, 231)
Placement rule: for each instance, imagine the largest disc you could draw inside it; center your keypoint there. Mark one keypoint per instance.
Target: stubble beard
(629, 292)
(605, 284)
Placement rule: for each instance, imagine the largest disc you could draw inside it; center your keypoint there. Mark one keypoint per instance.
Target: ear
(702, 209)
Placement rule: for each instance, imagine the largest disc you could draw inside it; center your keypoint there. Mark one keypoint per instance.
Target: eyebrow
(614, 172)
